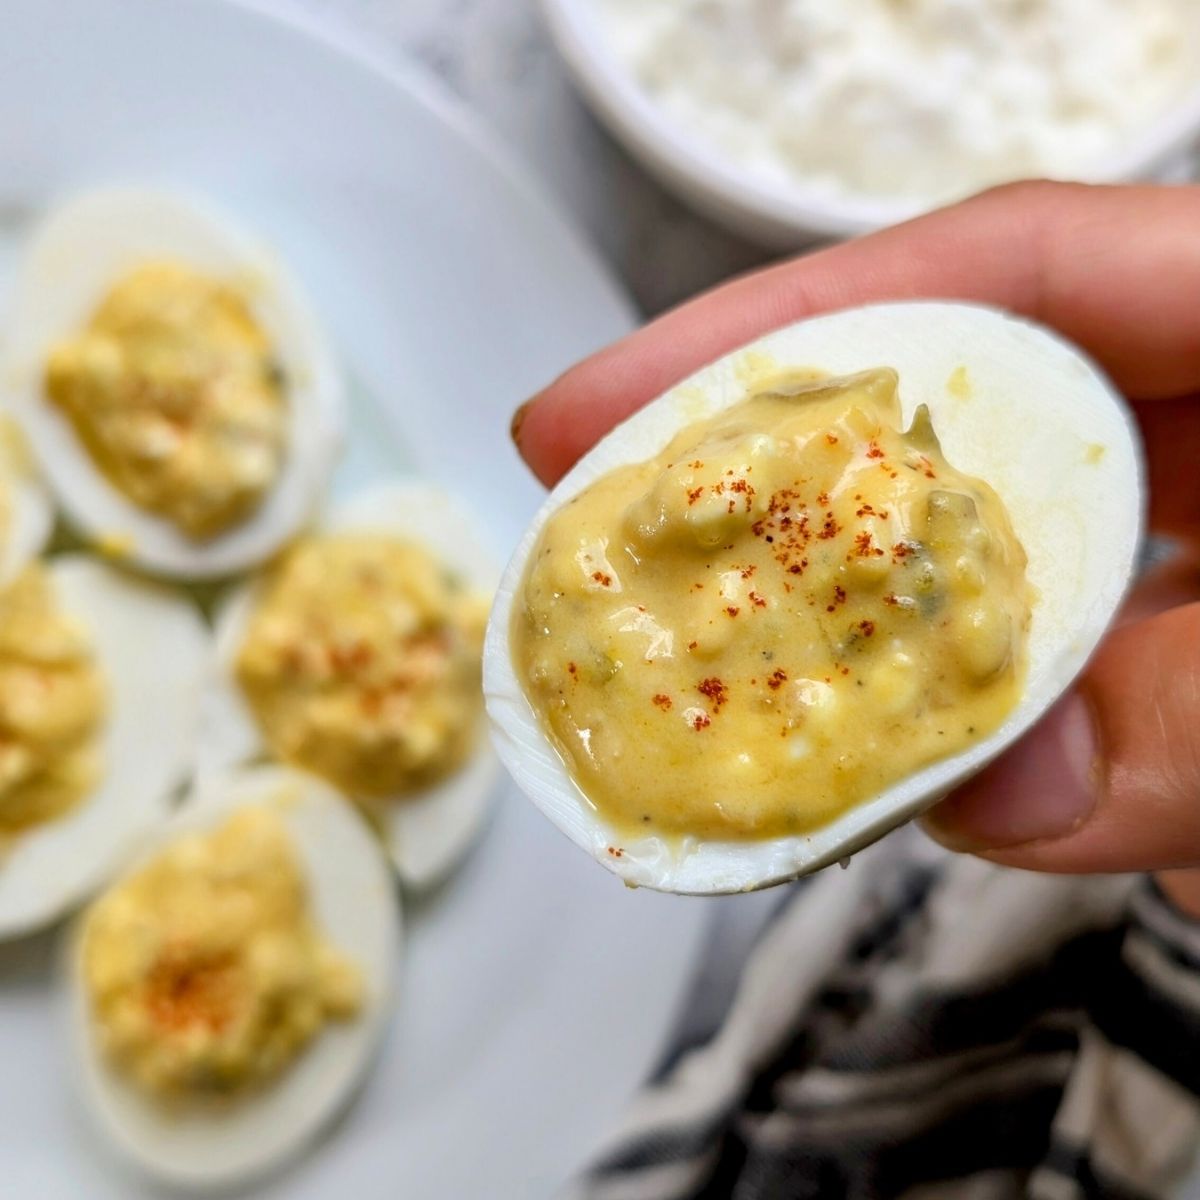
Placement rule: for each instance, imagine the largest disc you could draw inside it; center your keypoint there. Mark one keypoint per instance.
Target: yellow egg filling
(204, 971)
(361, 663)
(793, 606)
(52, 706)
(174, 389)
(6, 516)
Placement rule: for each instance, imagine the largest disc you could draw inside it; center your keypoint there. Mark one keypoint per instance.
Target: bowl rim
(779, 212)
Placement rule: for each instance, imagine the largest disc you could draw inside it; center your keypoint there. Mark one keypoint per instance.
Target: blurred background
(536, 993)
(498, 57)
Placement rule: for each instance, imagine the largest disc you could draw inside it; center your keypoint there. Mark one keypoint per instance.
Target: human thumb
(1109, 780)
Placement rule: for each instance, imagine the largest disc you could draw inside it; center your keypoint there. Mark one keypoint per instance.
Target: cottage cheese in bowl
(884, 107)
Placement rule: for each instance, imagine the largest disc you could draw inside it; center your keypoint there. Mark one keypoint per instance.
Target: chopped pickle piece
(205, 974)
(174, 390)
(362, 664)
(52, 705)
(793, 606)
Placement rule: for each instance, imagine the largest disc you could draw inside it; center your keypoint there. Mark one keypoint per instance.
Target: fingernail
(1043, 788)
(518, 419)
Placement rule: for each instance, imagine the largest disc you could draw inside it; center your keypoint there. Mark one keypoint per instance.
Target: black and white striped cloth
(931, 1027)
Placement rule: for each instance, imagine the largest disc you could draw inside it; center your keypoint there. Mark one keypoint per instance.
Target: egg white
(78, 253)
(153, 651)
(355, 906)
(30, 509)
(426, 832)
(1036, 409)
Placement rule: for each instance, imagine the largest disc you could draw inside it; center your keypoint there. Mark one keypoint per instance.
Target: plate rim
(411, 84)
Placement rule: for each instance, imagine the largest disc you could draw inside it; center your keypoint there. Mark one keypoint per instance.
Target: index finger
(1116, 269)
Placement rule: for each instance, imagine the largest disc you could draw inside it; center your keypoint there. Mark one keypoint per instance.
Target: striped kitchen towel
(932, 1027)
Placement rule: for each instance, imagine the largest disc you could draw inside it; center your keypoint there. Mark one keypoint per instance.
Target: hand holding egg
(1076, 794)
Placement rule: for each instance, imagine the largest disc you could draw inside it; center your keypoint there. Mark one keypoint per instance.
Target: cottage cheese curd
(911, 98)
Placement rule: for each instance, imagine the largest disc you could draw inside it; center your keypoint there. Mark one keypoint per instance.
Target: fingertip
(1041, 789)
(557, 426)
(518, 419)
(533, 427)
(540, 443)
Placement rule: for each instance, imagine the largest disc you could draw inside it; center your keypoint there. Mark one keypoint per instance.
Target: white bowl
(784, 214)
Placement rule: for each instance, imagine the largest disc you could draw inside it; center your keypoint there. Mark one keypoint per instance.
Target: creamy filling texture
(6, 513)
(174, 389)
(52, 706)
(204, 971)
(362, 663)
(793, 606)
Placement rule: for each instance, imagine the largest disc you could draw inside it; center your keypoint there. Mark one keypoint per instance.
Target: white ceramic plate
(536, 990)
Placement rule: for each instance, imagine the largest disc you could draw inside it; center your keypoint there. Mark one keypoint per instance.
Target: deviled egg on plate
(357, 656)
(796, 600)
(26, 510)
(176, 389)
(226, 996)
(100, 685)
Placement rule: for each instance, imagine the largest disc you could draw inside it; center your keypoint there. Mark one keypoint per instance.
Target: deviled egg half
(26, 510)
(173, 382)
(227, 994)
(101, 678)
(796, 600)
(357, 656)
